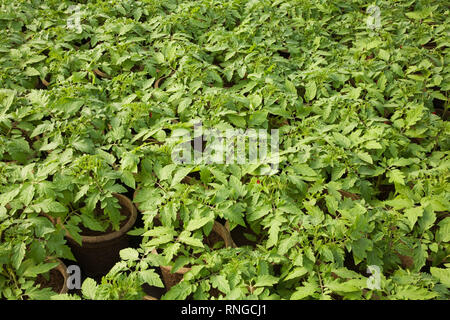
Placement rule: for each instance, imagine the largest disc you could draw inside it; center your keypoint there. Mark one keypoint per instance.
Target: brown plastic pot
(238, 237)
(218, 228)
(223, 232)
(98, 254)
(62, 270)
(170, 279)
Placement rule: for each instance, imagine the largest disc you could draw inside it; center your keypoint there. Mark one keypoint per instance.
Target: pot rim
(115, 234)
(221, 231)
(61, 268)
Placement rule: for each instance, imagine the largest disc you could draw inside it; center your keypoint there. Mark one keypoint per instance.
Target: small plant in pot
(230, 273)
(30, 245)
(175, 249)
(179, 224)
(97, 216)
(27, 269)
(124, 281)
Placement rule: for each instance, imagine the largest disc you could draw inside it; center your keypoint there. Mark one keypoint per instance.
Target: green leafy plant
(27, 244)
(230, 274)
(95, 110)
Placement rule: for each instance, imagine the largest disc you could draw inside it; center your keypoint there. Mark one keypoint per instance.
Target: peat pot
(219, 232)
(57, 280)
(99, 253)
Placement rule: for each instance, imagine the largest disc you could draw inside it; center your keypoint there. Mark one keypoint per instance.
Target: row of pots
(170, 279)
(98, 254)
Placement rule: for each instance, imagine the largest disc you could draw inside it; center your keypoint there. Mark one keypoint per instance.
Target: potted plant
(56, 279)
(97, 217)
(172, 275)
(28, 269)
(126, 280)
(177, 226)
(230, 273)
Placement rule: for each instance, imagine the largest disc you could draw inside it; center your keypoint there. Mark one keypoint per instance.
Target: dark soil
(154, 291)
(385, 191)
(284, 53)
(238, 235)
(97, 258)
(87, 232)
(55, 281)
(213, 239)
(349, 262)
(441, 113)
(170, 279)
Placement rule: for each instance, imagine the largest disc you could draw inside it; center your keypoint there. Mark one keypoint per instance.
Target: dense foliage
(362, 113)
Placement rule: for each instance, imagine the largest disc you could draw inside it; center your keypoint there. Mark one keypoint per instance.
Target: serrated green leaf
(221, 283)
(179, 175)
(197, 223)
(296, 273)
(89, 289)
(40, 268)
(311, 90)
(151, 278)
(18, 255)
(365, 157)
(129, 254)
(185, 238)
(305, 291)
(442, 274)
(266, 281)
(396, 176)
